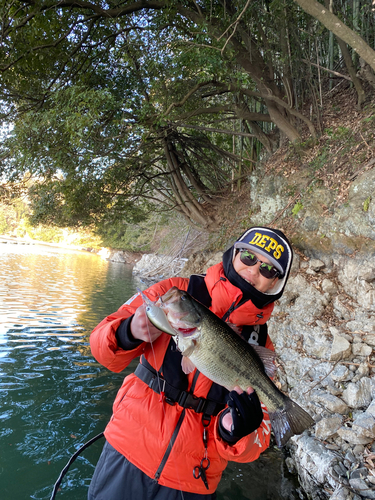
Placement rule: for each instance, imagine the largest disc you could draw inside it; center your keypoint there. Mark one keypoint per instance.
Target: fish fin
(145, 299)
(187, 365)
(268, 359)
(291, 420)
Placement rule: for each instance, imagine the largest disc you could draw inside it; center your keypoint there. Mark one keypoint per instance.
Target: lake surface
(54, 396)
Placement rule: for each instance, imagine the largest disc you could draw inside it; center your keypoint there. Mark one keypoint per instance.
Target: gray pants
(115, 478)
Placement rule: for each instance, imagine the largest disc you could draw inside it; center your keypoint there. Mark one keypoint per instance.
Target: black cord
(71, 460)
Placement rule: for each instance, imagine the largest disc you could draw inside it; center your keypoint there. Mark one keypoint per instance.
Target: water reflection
(54, 396)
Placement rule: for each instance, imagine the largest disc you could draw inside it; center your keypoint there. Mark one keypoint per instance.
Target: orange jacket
(165, 441)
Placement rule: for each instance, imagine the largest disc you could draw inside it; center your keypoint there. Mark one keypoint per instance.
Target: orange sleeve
(103, 341)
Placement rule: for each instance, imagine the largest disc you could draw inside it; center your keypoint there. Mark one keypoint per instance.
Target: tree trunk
(352, 72)
(348, 62)
(249, 57)
(187, 203)
(333, 23)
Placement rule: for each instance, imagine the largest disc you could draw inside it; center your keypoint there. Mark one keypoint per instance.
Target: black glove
(246, 413)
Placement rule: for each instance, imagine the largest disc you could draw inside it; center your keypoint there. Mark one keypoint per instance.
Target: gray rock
(364, 425)
(360, 349)
(360, 473)
(363, 371)
(341, 311)
(371, 409)
(352, 437)
(350, 457)
(330, 402)
(358, 450)
(327, 427)
(359, 395)
(329, 286)
(311, 272)
(316, 265)
(367, 274)
(369, 340)
(341, 373)
(341, 348)
(312, 456)
(341, 469)
(341, 493)
(361, 487)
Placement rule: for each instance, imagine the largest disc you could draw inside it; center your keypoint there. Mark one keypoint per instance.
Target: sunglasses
(266, 270)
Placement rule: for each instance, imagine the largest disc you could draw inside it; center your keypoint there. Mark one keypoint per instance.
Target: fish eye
(183, 297)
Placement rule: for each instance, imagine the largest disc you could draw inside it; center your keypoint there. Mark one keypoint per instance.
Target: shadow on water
(54, 396)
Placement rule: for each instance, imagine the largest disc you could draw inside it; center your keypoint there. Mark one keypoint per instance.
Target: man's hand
(141, 328)
(245, 413)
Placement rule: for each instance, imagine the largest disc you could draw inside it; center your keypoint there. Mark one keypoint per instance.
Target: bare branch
(326, 69)
(189, 94)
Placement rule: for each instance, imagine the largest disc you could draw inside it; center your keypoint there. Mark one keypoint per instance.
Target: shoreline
(25, 241)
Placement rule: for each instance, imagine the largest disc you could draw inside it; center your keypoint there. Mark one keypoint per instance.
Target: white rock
(327, 427)
(360, 349)
(359, 395)
(364, 425)
(329, 286)
(352, 437)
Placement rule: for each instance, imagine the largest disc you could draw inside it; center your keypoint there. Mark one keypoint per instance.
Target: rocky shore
(323, 329)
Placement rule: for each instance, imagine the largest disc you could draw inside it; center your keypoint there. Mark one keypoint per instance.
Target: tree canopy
(114, 109)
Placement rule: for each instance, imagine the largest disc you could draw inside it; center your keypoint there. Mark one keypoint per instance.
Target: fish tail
(288, 421)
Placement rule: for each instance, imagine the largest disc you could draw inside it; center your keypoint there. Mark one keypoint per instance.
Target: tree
(104, 148)
(334, 24)
(118, 108)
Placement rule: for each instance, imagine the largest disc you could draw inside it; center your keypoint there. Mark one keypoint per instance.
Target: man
(171, 434)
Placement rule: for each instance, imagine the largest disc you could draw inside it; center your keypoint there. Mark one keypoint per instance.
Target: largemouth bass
(226, 359)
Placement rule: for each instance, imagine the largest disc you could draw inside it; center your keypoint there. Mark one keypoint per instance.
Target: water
(54, 396)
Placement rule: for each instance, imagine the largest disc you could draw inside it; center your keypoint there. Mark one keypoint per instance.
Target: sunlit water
(54, 396)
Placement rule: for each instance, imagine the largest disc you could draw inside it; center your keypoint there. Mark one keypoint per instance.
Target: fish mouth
(185, 329)
(187, 332)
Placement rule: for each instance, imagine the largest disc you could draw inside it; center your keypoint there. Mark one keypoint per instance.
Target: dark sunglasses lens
(248, 258)
(267, 271)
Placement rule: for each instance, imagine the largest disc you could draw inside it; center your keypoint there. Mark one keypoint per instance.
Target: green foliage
(341, 133)
(366, 204)
(297, 207)
(42, 233)
(96, 99)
